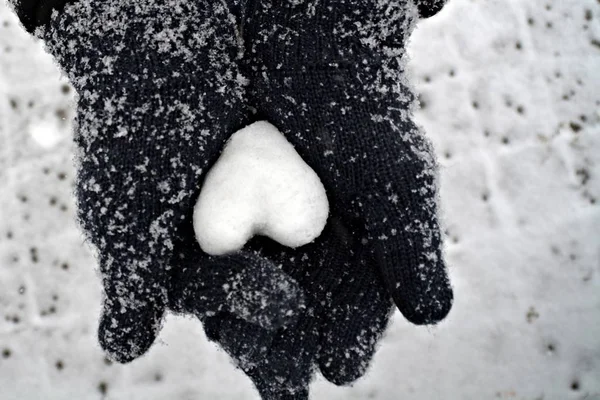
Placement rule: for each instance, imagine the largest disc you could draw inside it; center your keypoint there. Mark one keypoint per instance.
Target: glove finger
(245, 342)
(429, 8)
(270, 390)
(132, 237)
(285, 370)
(244, 284)
(401, 218)
(278, 362)
(122, 213)
(261, 293)
(132, 313)
(356, 320)
(288, 367)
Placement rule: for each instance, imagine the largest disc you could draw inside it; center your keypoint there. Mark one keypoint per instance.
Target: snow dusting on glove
(428, 8)
(159, 93)
(330, 76)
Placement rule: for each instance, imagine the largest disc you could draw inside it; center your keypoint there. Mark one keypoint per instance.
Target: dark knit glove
(428, 8)
(34, 13)
(330, 76)
(158, 95)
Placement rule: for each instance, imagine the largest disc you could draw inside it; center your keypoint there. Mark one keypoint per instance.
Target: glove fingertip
(265, 295)
(125, 336)
(430, 8)
(428, 308)
(341, 377)
(273, 387)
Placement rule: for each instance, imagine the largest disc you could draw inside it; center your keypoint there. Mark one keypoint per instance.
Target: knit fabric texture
(159, 93)
(330, 75)
(162, 85)
(428, 8)
(34, 13)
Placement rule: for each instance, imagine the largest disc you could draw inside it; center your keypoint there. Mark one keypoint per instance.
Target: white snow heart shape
(259, 186)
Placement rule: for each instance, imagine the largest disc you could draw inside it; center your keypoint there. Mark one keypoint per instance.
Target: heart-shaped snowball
(259, 186)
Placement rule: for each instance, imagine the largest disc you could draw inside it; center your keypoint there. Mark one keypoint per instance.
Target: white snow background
(511, 99)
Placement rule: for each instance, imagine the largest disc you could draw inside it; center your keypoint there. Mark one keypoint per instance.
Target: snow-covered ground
(511, 96)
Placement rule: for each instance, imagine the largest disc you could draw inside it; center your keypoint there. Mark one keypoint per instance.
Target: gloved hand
(158, 95)
(332, 80)
(347, 118)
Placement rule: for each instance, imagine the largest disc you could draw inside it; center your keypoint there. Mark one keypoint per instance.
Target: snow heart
(259, 186)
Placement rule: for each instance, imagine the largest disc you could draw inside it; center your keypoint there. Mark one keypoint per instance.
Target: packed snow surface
(259, 186)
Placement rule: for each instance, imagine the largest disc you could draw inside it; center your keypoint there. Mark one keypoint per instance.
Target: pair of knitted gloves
(162, 85)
